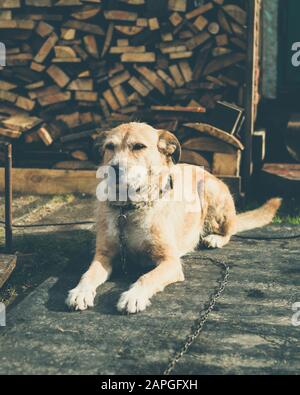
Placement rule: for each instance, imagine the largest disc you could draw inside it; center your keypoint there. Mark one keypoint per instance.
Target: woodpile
(77, 66)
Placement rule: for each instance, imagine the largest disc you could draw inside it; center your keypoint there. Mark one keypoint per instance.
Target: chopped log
(213, 28)
(176, 19)
(46, 48)
(12, 134)
(153, 24)
(200, 23)
(45, 136)
(120, 15)
(81, 84)
(7, 86)
(177, 5)
(121, 96)
(194, 158)
(224, 62)
(10, 4)
(68, 34)
(22, 123)
(222, 40)
(186, 71)
(64, 52)
(79, 155)
(165, 77)
(91, 45)
(137, 85)
(129, 30)
(217, 133)
(119, 79)
(208, 144)
(43, 29)
(177, 76)
(152, 77)
(108, 39)
(146, 57)
(226, 164)
(86, 96)
(58, 76)
(111, 100)
(85, 27)
(224, 22)
(126, 49)
(236, 13)
(200, 10)
(25, 103)
(179, 109)
(59, 97)
(87, 12)
(198, 40)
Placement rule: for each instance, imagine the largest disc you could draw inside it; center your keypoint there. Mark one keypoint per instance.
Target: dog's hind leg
(138, 297)
(225, 232)
(82, 297)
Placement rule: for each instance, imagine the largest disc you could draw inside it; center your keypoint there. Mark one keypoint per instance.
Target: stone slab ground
(249, 332)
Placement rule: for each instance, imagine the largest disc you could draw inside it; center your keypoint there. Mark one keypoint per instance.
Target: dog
(159, 229)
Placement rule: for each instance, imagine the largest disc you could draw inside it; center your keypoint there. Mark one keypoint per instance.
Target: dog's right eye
(110, 147)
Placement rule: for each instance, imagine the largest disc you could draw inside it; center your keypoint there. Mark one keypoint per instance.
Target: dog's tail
(259, 217)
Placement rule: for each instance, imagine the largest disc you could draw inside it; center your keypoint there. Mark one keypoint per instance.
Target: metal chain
(204, 315)
(122, 220)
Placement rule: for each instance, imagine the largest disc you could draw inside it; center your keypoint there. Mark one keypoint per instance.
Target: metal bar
(8, 198)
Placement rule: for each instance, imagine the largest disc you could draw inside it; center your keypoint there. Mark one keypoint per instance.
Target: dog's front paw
(134, 300)
(214, 241)
(81, 298)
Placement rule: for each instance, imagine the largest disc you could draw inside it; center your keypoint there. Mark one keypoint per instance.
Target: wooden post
(8, 198)
(252, 21)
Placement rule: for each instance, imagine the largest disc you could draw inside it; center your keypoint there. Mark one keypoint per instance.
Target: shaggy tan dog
(159, 227)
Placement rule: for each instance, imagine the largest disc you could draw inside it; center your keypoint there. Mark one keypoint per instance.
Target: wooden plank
(7, 265)
(44, 181)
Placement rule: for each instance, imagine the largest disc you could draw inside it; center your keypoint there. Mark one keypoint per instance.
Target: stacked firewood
(75, 66)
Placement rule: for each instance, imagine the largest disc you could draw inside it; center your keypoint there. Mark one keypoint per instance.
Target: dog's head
(136, 151)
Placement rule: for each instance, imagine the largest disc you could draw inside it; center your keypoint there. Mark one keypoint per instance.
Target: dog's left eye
(138, 147)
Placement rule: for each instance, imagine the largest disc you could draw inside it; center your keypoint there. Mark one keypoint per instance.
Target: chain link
(204, 315)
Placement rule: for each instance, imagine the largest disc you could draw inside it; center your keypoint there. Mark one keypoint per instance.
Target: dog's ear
(98, 146)
(169, 145)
